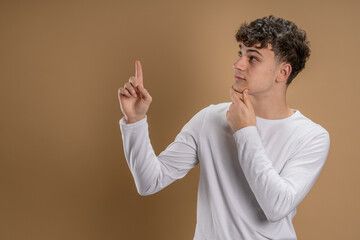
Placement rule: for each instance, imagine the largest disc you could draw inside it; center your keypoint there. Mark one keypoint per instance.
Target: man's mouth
(239, 78)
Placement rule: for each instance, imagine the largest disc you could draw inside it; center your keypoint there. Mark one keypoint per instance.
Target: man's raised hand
(241, 111)
(134, 99)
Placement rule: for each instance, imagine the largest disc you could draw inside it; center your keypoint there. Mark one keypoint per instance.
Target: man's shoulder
(214, 115)
(308, 126)
(216, 108)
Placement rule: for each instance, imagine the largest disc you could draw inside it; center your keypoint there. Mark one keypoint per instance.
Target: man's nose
(240, 64)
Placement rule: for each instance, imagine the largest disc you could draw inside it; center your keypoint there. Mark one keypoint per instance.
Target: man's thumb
(246, 98)
(144, 92)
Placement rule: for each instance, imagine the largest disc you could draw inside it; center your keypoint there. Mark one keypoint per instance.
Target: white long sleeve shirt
(250, 180)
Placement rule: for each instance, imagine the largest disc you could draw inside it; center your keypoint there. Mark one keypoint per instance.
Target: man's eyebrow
(251, 50)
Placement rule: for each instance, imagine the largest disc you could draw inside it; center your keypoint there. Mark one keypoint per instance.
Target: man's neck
(271, 107)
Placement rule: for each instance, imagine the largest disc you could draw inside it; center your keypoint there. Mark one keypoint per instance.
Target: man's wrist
(133, 120)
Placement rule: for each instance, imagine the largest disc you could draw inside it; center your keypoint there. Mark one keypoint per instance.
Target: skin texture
(265, 79)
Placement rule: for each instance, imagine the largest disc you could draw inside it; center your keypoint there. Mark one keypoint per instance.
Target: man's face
(255, 69)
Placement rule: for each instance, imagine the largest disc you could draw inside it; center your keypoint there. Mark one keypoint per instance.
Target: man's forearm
(133, 120)
(139, 154)
(279, 194)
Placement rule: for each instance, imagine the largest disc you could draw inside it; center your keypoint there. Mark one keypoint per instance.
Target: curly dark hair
(288, 42)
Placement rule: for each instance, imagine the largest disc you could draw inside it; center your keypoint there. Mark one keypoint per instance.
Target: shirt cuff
(245, 133)
(125, 125)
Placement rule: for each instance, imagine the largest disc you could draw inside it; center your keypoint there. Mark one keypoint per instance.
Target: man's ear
(284, 72)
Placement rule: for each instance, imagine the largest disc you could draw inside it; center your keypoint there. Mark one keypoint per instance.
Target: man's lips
(239, 78)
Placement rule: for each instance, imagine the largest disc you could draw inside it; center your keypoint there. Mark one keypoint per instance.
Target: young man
(258, 157)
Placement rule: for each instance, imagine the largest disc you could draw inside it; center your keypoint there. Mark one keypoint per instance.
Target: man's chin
(236, 90)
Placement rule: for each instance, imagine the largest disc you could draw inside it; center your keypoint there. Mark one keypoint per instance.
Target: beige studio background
(63, 174)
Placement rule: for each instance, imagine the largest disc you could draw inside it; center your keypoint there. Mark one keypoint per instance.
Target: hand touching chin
(237, 89)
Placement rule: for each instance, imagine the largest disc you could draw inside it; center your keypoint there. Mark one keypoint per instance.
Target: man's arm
(279, 193)
(153, 173)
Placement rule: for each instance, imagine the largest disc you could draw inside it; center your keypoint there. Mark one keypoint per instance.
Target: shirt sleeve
(153, 173)
(279, 193)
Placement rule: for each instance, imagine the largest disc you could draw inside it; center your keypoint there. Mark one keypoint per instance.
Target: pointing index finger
(138, 72)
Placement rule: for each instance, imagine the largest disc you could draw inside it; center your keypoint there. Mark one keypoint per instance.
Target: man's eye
(239, 53)
(253, 58)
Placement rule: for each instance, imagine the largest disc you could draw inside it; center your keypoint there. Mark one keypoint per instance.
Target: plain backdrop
(63, 174)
